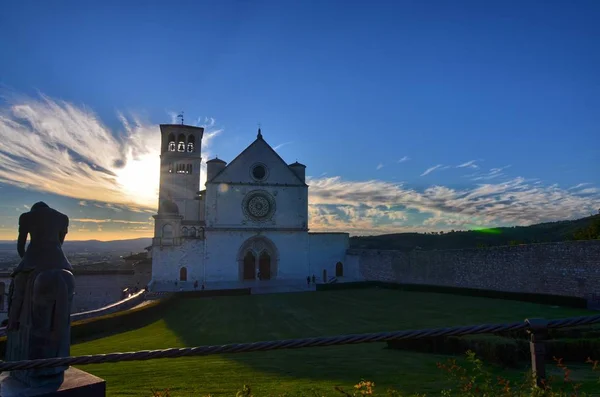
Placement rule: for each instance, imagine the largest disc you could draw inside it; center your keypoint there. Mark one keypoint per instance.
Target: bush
(495, 349)
(508, 352)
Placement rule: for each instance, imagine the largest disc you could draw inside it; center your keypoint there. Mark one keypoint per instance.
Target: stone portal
(258, 256)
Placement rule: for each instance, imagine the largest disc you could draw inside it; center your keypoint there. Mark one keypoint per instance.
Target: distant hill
(133, 245)
(584, 228)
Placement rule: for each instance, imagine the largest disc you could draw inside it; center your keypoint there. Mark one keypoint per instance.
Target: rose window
(259, 205)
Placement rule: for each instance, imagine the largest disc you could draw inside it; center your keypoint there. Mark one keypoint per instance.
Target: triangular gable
(259, 151)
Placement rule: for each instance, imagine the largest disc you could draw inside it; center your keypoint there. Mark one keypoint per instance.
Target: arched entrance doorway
(183, 274)
(258, 256)
(339, 269)
(249, 271)
(264, 265)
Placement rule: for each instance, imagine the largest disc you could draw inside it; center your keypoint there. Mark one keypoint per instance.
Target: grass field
(194, 322)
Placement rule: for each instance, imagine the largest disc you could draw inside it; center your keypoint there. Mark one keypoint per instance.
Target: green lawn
(194, 322)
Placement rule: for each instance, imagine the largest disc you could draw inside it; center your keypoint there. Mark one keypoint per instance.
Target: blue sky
(383, 101)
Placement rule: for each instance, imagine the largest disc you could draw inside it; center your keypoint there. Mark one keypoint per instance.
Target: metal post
(538, 329)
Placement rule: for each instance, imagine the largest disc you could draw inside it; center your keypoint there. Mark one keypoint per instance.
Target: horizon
(409, 117)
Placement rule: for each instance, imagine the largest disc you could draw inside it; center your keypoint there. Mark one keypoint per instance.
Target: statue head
(39, 205)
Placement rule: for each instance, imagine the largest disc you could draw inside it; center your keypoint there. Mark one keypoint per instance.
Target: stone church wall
(225, 206)
(327, 249)
(223, 249)
(168, 260)
(565, 268)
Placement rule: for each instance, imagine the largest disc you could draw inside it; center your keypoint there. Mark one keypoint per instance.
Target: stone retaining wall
(566, 268)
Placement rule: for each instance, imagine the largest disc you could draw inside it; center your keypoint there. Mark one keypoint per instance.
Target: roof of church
(216, 160)
(297, 164)
(259, 137)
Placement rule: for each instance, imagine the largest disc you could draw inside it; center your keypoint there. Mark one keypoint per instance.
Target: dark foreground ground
(195, 322)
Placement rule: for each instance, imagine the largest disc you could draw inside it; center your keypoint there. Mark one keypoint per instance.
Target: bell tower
(180, 162)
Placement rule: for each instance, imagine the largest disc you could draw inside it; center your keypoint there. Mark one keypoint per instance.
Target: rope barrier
(288, 344)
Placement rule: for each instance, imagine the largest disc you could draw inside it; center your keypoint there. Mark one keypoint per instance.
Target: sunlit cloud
(379, 166)
(56, 147)
(513, 202)
(91, 220)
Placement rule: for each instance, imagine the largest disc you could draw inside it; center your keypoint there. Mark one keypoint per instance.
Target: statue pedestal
(76, 384)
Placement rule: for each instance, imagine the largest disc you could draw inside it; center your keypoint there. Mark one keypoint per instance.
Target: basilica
(248, 226)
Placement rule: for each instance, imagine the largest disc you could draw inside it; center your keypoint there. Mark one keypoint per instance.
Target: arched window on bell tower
(191, 143)
(167, 231)
(171, 140)
(181, 143)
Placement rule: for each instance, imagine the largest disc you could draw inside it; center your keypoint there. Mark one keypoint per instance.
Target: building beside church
(248, 226)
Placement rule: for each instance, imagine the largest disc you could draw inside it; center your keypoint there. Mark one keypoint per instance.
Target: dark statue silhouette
(40, 296)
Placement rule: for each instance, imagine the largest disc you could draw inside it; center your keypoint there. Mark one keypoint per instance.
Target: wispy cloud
(59, 148)
(492, 173)
(404, 159)
(579, 185)
(281, 145)
(379, 166)
(468, 164)
(431, 169)
(54, 146)
(514, 202)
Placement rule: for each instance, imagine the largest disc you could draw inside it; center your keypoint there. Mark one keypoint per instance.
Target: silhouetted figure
(40, 297)
(259, 276)
(308, 280)
(202, 286)
(314, 279)
(196, 284)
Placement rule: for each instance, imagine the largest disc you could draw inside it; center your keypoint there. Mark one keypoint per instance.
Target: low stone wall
(122, 305)
(566, 268)
(125, 304)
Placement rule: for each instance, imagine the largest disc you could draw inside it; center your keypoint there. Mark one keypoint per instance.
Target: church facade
(248, 226)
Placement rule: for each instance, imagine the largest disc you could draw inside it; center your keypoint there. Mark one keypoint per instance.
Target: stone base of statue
(76, 383)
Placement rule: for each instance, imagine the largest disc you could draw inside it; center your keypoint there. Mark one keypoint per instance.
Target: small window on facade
(167, 231)
(259, 172)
